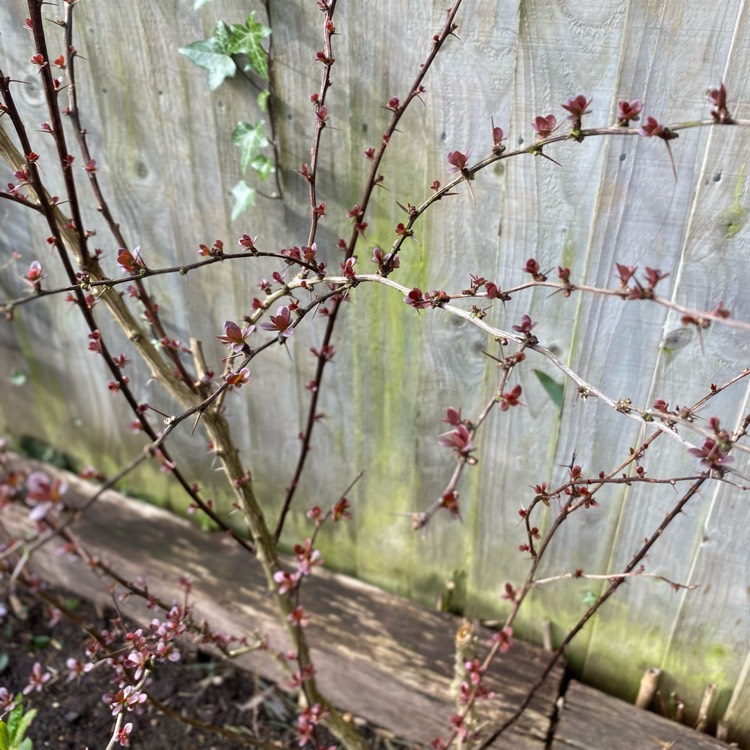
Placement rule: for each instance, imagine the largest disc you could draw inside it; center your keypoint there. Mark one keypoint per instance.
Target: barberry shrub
(558, 281)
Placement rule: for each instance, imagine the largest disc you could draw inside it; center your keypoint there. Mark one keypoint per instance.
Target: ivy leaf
(247, 40)
(214, 54)
(17, 378)
(263, 166)
(553, 388)
(244, 198)
(251, 139)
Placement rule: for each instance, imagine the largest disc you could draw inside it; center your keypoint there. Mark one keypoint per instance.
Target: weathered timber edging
(376, 655)
(592, 720)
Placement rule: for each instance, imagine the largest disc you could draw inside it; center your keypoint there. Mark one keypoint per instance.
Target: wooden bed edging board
(591, 720)
(376, 655)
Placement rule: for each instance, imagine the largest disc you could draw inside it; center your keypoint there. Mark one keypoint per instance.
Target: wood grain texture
(163, 146)
(591, 721)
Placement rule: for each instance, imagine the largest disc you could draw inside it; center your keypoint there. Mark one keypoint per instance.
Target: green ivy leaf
(17, 378)
(553, 388)
(244, 198)
(214, 54)
(247, 40)
(251, 139)
(263, 166)
(263, 100)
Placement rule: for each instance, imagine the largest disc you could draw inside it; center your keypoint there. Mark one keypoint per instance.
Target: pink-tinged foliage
(481, 692)
(494, 292)
(417, 300)
(449, 501)
(712, 454)
(625, 273)
(77, 668)
(544, 126)
(503, 638)
(347, 268)
(95, 343)
(340, 510)
(299, 617)
(385, 259)
(474, 671)
(459, 439)
(307, 723)
(578, 107)
(131, 263)
(720, 311)
(7, 702)
(510, 398)
(307, 557)
(510, 594)
(452, 416)
(35, 275)
(718, 98)
(127, 698)
(286, 581)
(281, 322)
(246, 242)
(316, 515)
(497, 138)
(238, 379)
(654, 276)
(458, 161)
(327, 352)
(458, 723)
(652, 128)
(627, 111)
(532, 267)
(215, 251)
(43, 494)
(37, 679)
(234, 336)
(525, 327)
(123, 734)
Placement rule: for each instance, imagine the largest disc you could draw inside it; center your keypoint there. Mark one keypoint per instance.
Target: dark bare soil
(74, 716)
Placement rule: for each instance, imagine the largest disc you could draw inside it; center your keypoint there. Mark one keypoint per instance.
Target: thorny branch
(201, 398)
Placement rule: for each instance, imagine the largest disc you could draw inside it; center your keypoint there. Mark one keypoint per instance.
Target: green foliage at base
(13, 730)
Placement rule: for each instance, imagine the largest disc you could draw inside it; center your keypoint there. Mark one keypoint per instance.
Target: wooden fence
(163, 148)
